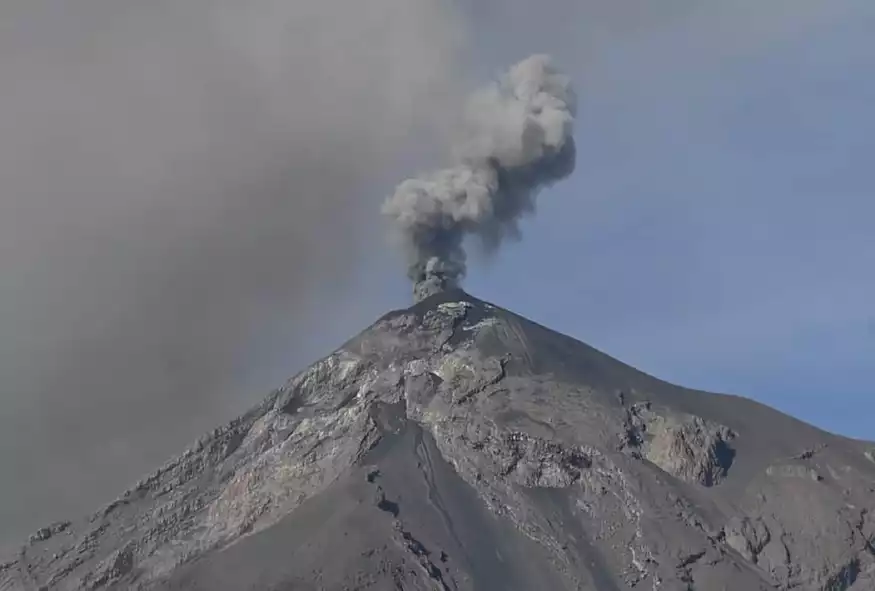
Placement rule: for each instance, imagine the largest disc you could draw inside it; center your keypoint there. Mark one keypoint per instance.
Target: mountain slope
(455, 445)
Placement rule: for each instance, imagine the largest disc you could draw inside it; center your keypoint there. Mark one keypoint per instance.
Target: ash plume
(183, 187)
(517, 138)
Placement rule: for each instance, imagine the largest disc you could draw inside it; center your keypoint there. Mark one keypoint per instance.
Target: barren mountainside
(457, 446)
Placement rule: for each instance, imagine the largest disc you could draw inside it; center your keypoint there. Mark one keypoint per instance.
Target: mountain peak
(456, 445)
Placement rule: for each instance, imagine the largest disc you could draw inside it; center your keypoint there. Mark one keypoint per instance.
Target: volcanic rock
(457, 446)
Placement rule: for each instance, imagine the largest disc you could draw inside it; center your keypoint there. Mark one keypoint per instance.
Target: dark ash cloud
(173, 175)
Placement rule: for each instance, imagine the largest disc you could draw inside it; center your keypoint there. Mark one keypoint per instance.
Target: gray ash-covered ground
(456, 446)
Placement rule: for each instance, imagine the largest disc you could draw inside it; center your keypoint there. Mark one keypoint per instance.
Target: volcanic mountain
(456, 446)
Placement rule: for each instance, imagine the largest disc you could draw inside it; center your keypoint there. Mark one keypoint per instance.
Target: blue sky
(718, 230)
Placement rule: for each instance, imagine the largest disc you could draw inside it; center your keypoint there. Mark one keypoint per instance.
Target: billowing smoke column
(517, 139)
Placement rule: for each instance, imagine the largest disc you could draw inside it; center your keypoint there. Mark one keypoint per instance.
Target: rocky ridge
(597, 476)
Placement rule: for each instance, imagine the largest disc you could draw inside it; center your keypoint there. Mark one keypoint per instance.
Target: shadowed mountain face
(456, 446)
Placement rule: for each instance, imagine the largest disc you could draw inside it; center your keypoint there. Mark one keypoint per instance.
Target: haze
(175, 176)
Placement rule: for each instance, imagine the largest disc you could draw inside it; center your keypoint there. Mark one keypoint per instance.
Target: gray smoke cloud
(182, 183)
(516, 139)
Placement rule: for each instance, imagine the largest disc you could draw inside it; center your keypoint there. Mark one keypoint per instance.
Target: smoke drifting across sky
(517, 138)
(173, 174)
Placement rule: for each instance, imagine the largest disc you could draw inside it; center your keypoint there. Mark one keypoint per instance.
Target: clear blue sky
(718, 231)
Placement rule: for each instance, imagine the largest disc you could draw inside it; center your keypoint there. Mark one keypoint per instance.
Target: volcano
(457, 446)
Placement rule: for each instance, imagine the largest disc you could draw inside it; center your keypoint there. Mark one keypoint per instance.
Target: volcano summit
(456, 446)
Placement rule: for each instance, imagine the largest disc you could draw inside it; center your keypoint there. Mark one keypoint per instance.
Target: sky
(190, 217)
(718, 232)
